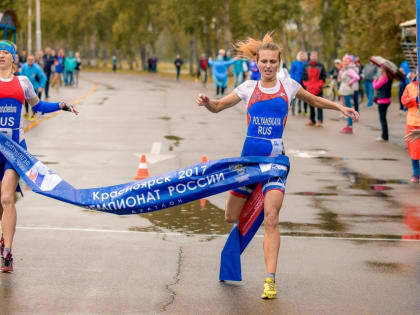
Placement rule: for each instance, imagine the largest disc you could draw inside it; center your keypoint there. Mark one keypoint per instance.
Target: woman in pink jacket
(383, 87)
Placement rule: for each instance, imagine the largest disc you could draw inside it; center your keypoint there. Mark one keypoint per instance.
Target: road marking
(154, 156)
(76, 229)
(75, 102)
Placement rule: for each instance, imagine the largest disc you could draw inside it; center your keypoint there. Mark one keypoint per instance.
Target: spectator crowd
(48, 70)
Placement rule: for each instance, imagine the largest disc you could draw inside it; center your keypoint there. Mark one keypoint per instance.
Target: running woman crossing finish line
(267, 104)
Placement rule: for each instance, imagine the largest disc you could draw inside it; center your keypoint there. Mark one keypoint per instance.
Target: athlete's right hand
(202, 100)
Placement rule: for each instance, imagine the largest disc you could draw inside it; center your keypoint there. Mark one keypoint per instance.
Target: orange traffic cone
(142, 171)
(203, 200)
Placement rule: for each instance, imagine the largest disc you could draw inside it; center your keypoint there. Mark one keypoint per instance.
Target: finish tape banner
(151, 194)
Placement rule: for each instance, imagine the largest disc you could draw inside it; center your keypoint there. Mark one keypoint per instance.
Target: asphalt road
(347, 214)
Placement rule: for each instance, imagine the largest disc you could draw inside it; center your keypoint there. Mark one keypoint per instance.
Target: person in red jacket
(314, 76)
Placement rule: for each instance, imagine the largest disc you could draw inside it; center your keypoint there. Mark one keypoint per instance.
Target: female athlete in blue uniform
(14, 90)
(267, 102)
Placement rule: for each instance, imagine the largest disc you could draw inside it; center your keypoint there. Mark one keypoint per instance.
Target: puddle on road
(176, 140)
(375, 218)
(361, 181)
(374, 128)
(189, 218)
(50, 163)
(307, 154)
(333, 222)
(328, 219)
(106, 85)
(102, 101)
(385, 237)
(377, 159)
(312, 193)
(292, 226)
(386, 267)
(156, 89)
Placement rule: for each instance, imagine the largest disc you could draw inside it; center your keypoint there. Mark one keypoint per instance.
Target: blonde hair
(14, 63)
(251, 47)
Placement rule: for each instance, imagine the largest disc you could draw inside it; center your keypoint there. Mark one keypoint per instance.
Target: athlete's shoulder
(245, 90)
(23, 80)
(248, 84)
(27, 87)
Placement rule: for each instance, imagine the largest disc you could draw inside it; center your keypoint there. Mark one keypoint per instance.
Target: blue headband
(8, 47)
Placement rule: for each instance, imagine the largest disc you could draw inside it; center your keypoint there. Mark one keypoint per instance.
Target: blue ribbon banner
(160, 192)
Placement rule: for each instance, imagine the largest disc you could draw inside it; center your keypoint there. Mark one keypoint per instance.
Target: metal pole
(29, 27)
(38, 26)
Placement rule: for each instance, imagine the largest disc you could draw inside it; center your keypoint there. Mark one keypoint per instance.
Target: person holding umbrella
(383, 87)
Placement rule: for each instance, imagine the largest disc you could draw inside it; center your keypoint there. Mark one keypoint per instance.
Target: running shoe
(415, 179)
(319, 124)
(270, 290)
(7, 263)
(311, 124)
(1, 245)
(380, 139)
(26, 115)
(32, 118)
(347, 129)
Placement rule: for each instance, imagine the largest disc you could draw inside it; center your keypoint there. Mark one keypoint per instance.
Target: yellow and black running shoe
(270, 289)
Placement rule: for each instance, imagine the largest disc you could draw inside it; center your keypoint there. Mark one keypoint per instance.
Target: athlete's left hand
(349, 112)
(68, 108)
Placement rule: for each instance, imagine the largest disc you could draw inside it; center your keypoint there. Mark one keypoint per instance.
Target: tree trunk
(301, 36)
(285, 42)
(226, 26)
(192, 54)
(130, 60)
(196, 53)
(119, 60)
(94, 50)
(142, 50)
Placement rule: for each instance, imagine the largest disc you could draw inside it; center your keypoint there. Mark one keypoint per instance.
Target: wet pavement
(350, 220)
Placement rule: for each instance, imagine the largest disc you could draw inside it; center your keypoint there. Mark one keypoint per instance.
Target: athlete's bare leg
(272, 203)
(8, 222)
(234, 207)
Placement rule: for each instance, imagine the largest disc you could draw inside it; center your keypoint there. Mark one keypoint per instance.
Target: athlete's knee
(7, 202)
(271, 219)
(230, 213)
(230, 217)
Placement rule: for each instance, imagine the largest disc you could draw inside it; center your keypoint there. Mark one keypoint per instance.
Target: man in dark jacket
(48, 63)
(313, 80)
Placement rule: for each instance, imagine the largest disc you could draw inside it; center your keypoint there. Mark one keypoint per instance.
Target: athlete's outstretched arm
(321, 102)
(216, 106)
(48, 107)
